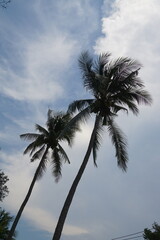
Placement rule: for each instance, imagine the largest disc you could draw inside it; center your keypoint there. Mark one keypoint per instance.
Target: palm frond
(126, 99)
(41, 129)
(85, 63)
(34, 145)
(97, 140)
(29, 148)
(117, 108)
(120, 143)
(79, 105)
(142, 96)
(29, 136)
(63, 154)
(73, 125)
(99, 65)
(131, 79)
(38, 154)
(43, 164)
(56, 164)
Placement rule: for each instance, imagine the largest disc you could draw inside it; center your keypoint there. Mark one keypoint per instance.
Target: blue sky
(39, 47)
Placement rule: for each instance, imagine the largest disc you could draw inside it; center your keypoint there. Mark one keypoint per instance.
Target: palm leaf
(29, 148)
(85, 63)
(99, 65)
(43, 165)
(38, 154)
(142, 96)
(97, 140)
(41, 129)
(117, 108)
(34, 145)
(120, 143)
(29, 136)
(56, 164)
(126, 99)
(79, 105)
(74, 125)
(63, 154)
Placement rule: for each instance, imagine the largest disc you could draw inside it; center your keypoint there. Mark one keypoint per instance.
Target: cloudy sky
(39, 46)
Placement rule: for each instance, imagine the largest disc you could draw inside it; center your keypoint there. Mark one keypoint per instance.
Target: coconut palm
(47, 140)
(115, 86)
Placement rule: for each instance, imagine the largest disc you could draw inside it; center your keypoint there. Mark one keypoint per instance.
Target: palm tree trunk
(16, 220)
(65, 209)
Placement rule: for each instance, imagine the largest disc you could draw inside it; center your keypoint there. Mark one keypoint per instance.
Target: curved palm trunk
(68, 201)
(16, 220)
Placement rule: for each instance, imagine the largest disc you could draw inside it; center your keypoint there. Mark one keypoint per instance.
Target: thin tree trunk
(16, 220)
(68, 201)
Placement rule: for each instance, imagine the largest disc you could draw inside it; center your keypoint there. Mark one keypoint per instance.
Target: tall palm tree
(42, 142)
(115, 86)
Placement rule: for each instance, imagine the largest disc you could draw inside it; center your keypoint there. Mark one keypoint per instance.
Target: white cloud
(20, 173)
(131, 30)
(45, 221)
(41, 60)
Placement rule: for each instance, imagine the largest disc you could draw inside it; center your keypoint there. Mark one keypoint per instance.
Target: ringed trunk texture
(16, 220)
(68, 201)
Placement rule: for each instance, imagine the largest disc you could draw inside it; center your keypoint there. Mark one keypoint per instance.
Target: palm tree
(115, 86)
(44, 141)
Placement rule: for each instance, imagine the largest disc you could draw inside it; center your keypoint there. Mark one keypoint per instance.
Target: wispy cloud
(45, 221)
(20, 173)
(41, 61)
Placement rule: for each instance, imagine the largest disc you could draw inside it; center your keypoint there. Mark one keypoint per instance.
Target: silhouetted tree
(5, 221)
(115, 86)
(3, 187)
(153, 234)
(47, 140)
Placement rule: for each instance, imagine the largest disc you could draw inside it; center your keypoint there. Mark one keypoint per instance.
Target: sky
(39, 47)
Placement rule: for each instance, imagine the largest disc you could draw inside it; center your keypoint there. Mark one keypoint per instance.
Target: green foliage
(3, 188)
(154, 234)
(5, 220)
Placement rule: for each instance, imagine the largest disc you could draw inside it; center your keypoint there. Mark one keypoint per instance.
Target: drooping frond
(41, 129)
(102, 61)
(122, 66)
(131, 79)
(141, 96)
(38, 154)
(32, 147)
(72, 126)
(63, 154)
(80, 105)
(29, 136)
(56, 164)
(120, 143)
(85, 63)
(69, 134)
(97, 140)
(43, 164)
(29, 148)
(116, 108)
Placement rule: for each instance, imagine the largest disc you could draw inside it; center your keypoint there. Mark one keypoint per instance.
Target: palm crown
(50, 138)
(115, 86)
